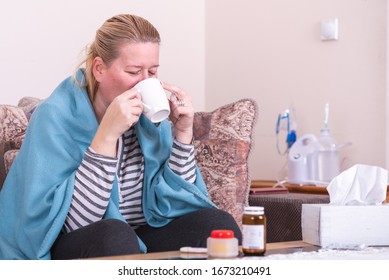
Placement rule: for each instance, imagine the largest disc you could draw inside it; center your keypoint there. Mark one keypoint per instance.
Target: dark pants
(113, 237)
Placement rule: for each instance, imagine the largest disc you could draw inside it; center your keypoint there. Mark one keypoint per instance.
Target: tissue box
(340, 226)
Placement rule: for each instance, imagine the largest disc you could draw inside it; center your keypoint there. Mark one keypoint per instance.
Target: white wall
(271, 51)
(42, 41)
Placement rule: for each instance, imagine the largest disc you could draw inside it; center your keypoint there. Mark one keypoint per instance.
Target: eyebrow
(137, 66)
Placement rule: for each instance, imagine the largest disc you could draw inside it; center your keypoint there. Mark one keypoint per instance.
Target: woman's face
(136, 62)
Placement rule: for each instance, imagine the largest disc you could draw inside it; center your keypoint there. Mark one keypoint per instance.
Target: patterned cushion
(13, 124)
(223, 142)
(28, 105)
(9, 157)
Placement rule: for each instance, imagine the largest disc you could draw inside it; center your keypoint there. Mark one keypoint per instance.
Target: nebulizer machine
(311, 160)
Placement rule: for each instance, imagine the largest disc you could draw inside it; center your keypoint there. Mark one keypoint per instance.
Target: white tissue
(359, 185)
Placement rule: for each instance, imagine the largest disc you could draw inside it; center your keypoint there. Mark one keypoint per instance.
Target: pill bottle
(222, 244)
(254, 231)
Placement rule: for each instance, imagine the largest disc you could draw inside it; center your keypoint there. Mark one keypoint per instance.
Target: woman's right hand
(123, 112)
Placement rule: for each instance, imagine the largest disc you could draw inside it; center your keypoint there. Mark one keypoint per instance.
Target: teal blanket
(37, 193)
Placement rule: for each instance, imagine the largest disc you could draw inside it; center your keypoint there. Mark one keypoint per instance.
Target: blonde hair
(110, 36)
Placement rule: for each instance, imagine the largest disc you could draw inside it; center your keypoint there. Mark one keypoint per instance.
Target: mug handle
(146, 107)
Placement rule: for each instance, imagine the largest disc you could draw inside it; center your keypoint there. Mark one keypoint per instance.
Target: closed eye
(133, 73)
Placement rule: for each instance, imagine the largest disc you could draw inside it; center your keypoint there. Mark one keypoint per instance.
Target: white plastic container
(222, 244)
(302, 160)
(328, 163)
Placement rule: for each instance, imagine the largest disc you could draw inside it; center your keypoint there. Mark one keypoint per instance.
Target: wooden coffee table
(271, 248)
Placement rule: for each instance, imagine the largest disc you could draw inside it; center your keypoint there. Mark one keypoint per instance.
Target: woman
(94, 177)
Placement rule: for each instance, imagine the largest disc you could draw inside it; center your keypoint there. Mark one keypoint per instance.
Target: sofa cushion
(13, 124)
(223, 142)
(28, 105)
(9, 157)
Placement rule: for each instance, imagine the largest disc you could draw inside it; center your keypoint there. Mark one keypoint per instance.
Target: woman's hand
(181, 113)
(120, 115)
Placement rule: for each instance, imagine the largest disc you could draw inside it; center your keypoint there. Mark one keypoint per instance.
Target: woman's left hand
(181, 113)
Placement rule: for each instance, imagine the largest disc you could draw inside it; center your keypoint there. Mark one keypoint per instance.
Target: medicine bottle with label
(254, 231)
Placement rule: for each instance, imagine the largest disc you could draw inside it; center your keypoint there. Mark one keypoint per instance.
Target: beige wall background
(42, 41)
(224, 50)
(271, 51)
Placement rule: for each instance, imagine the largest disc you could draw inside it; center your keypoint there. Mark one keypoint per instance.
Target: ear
(98, 68)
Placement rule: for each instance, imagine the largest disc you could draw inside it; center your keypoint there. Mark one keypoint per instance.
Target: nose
(145, 74)
(142, 77)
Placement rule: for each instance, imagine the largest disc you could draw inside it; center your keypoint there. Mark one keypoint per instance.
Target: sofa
(223, 140)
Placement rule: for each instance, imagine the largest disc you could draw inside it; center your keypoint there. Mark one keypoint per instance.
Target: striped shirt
(96, 174)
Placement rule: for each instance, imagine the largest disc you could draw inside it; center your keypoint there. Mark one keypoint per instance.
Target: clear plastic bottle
(327, 157)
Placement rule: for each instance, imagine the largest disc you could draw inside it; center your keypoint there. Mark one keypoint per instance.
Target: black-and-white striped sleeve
(130, 181)
(92, 190)
(182, 161)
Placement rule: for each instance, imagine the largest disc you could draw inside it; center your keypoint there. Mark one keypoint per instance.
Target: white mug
(155, 103)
